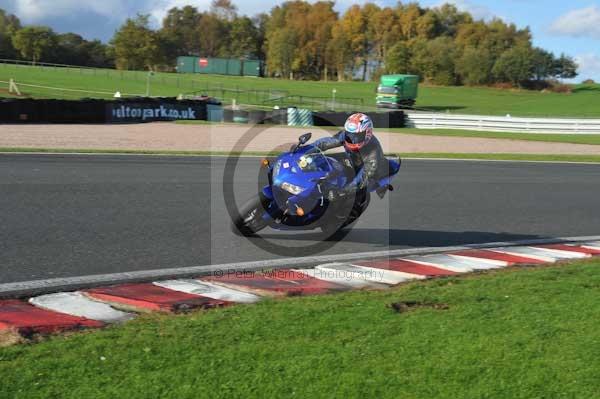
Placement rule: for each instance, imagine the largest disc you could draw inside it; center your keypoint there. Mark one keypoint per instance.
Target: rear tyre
(250, 219)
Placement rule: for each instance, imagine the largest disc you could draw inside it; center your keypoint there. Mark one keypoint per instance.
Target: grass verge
(435, 155)
(593, 139)
(504, 334)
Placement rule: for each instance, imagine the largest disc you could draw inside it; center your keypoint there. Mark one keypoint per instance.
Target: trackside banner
(149, 112)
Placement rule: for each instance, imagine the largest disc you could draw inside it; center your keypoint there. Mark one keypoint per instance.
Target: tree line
(41, 43)
(301, 40)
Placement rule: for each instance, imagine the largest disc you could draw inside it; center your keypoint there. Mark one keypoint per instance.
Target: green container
(186, 64)
(252, 68)
(211, 66)
(234, 67)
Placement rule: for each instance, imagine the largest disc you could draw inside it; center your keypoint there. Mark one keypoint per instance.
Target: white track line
(535, 253)
(209, 290)
(341, 278)
(592, 245)
(455, 263)
(564, 252)
(372, 274)
(489, 263)
(76, 304)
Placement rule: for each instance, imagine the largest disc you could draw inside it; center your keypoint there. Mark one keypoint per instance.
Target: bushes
(556, 87)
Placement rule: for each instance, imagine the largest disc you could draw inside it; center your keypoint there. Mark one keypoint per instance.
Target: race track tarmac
(73, 215)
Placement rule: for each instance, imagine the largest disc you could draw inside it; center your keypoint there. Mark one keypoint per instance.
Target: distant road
(75, 215)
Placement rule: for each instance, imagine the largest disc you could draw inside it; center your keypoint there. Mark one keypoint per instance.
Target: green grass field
(593, 139)
(584, 102)
(512, 334)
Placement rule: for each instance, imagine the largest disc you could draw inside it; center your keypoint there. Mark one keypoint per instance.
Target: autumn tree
(435, 60)
(307, 40)
(212, 35)
(514, 65)
(136, 45)
(320, 21)
(398, 59)
(281, 52)
(384, 33)
(243, 38)
(223, 9)
(408, 16)
(565, 67)
(543, 63)
(449, 19)
(33, 42)
(179, 32)
(340, 56)
(355, 26)
(474, 66)
(9, 24)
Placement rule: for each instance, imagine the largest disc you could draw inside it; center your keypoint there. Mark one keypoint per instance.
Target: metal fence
(241, 96)
(502, 123)
(319, 103)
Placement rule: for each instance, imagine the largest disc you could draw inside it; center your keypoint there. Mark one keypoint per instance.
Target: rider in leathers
(364, 150)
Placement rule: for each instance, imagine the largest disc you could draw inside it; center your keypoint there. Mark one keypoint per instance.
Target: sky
(571, 27)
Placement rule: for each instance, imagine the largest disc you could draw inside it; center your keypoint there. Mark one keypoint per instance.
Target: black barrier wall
(140, 109)
(131, 110)
(393, 119)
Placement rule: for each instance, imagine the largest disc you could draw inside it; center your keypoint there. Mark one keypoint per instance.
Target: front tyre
(250, 219)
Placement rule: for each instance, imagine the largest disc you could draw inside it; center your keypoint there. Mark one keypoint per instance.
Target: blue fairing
(268, 192)
(300, 179)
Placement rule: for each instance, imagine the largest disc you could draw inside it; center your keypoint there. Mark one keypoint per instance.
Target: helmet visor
(355, 138)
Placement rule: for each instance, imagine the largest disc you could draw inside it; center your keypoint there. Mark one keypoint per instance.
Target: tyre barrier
(240, 116)
(227, 115)
(279, 116)
(299, 117)
(292, 116)
(214, 113)
(130, 110)
(257, 117)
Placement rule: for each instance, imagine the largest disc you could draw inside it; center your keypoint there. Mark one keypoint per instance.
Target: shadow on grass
(587, 88)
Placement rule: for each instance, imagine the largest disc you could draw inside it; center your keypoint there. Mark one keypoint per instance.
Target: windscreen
(387, 90)
(314, 162)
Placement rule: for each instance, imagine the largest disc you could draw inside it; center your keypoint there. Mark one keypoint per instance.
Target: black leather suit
(369, 162)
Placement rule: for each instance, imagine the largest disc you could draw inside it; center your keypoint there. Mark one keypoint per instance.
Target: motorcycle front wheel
(250, 219)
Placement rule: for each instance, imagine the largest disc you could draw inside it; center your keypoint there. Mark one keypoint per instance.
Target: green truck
(397, 91)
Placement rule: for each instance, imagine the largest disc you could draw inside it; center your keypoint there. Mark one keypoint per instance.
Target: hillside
(101, 83)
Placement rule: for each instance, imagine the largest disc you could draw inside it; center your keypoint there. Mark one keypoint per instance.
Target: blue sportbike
(299, 193)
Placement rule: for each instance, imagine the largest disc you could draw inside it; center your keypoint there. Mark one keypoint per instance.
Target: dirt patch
(5, 91)
(407, 306)
(10, 337)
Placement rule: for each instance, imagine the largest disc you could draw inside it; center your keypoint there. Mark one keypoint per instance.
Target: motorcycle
(298, 195)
